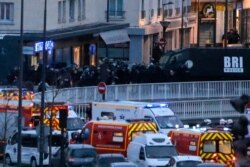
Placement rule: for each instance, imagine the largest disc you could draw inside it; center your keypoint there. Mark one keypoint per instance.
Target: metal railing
(152, 91)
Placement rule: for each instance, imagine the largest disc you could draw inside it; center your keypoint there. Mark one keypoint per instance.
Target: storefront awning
(115, 36)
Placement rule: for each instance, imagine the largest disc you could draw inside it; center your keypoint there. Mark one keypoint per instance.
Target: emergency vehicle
(31, 115)
(151, 150)
(13, 94)
(159, 113)
(212, 145)
(113, 136)
(30, 152)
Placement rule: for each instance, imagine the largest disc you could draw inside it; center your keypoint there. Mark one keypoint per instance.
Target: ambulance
(30, 144)
(212, 145)
(159, 113)
(113, 136)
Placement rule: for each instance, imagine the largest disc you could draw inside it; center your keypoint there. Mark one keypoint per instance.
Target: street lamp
(226, 24)
(164, 23)
(20, 89)
(182, 20)
(41, 140)
(107, 11)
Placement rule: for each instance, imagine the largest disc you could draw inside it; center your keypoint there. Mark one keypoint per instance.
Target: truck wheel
(33, 162)
(8, 161)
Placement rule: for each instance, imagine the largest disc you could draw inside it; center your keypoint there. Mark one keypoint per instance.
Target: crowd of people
(108, 71)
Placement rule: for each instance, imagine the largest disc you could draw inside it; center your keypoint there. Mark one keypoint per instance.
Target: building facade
(83, 31)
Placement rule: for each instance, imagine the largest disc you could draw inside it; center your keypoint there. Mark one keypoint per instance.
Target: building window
(81, 9)
(71, 10)
(116, 8)
(6, 12)
(61, 11)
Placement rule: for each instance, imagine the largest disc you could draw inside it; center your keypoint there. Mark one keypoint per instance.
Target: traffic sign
(92, 49)
(102, 87)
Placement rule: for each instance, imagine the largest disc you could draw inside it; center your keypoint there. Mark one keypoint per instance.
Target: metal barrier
(152, 91)
(191, 109)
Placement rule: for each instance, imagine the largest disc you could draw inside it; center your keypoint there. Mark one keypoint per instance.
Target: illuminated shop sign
(48, 46)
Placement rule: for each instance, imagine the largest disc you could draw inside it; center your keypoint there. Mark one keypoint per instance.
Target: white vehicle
(151, 150)
(123, 164)
(159, 113)
(29, 148)
(74, 122)
(184, 161)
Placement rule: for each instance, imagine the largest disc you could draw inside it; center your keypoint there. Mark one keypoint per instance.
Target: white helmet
(223, 121)
(208, 121)
(230, 121)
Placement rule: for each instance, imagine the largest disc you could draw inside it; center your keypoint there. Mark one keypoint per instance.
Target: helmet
(223, 121)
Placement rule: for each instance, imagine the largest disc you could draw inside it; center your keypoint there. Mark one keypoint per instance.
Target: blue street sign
(92, 49)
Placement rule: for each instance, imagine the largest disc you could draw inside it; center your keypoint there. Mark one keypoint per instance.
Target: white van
(29, 148)
(158, 113)
(151, 150)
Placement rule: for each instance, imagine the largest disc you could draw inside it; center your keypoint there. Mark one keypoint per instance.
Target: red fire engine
(112, 136)
(213, 145)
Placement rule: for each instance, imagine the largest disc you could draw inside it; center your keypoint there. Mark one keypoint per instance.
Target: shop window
(76, 56)
(58, 57)
(66, 56)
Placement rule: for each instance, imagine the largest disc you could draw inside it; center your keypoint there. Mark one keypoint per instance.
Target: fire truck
(31, 115)
(212, 145)
(113, 136)
(13, 94)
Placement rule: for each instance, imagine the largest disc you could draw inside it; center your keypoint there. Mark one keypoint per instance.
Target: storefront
(80, 45)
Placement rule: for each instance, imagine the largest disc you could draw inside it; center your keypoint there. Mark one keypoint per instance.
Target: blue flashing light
(163, 105)
(155, 105)
(149, 105)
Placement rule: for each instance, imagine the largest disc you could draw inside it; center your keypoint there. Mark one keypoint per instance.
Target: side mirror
(74, 135)
(8, 141)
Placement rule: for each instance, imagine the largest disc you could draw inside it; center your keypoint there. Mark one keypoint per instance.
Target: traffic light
(240, 103)
(63, 115)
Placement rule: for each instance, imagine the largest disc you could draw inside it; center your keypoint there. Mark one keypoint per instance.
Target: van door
(29, 147)
(12, 147)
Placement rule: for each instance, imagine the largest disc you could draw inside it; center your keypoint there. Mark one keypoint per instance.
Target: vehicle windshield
(83, 153)
(169, 122)
(106, 161)
(165, 58)
(221, 146)
(187, 163)
(74, 123)
(160, 151)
